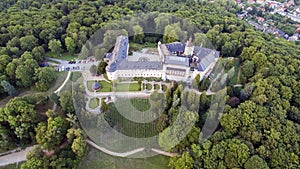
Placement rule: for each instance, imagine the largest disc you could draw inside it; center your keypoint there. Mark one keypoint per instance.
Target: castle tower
(189, 47)
(159, 51)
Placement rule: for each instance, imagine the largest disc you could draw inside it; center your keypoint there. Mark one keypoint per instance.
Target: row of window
(176, 73)
(138, 75)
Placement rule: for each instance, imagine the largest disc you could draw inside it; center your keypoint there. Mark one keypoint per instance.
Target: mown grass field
(156, 87)
(99, 160)
(164, 87)
(140, 104)
(63, 56)
(94, 103)
(105, 86)
(129, 127)
(12, 166)
(124, 87)
(148, 86)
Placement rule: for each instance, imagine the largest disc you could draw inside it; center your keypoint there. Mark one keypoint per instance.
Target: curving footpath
(164, 153)
(15, 157)
(65, 82)
(125, 154)
(128, 153)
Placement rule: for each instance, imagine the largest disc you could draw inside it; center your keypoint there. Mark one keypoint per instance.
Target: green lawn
(94, 103)
(97, 159)
(61, 77)
(89, 85)
(75, 76)
(148, 86)
(156, 87)
(140, 104)
(232, 63)
(12, 166)
(105, 86)
(128, 127)
(124, 87)
(164, 87)
(64, 56)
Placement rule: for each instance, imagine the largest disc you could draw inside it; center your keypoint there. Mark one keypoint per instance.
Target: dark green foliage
(54, 98)
(19, 119)
(204, 84)
(45, 77)
(25, 72)
(93, 69)
(261, 132)
(51, 134)
(11, 91)
(255, 162)
(28, 42)
(101, 68)
(55, 46)
(66, 101)
(248, 69)
(184, 162)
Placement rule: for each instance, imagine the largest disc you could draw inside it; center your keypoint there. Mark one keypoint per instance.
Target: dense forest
(260, 123)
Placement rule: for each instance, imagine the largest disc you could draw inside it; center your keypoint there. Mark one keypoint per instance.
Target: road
(15, 157)
(57, 60)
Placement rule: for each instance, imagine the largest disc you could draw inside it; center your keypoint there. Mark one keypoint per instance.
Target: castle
(177, 61)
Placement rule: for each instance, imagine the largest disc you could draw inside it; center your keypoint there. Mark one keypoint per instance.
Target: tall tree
(77, 138)
(185, 161)
(22, 118)
(4, 61)
(25, 72)
(138, 34)
(173, 33)
(38, 54)
(101, 67)
(55, 46)
(9, 88)
(255, 162)
(70, 44)
(45, 76)
(28, 42)
(66, 101)
(52, 133)
(93, 69)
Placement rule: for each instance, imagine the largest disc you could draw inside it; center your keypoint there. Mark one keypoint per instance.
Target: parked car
(43, 64)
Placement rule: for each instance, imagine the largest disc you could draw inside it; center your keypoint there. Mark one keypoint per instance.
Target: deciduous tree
(9, 88)
(70, 44)
(45, 76)
(66, 101)
(55, 46)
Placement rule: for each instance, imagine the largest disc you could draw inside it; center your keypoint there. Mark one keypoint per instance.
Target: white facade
(134, 73)
(173, 65)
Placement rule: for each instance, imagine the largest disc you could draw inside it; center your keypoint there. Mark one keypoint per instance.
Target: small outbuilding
(96, 86)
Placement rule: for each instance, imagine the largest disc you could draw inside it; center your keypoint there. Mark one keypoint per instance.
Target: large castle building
(177, 61)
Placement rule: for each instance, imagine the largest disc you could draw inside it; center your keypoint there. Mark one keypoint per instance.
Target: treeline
(36, 27)
(261, 121)
(25, 121)
(260, 124)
